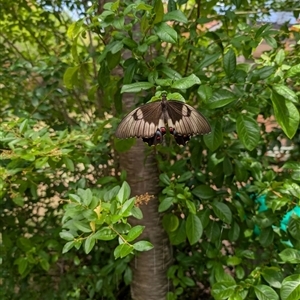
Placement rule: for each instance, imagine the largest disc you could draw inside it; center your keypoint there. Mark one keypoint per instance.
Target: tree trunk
(149, 268)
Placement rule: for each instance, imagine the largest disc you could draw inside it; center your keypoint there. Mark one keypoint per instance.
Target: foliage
(230, 208)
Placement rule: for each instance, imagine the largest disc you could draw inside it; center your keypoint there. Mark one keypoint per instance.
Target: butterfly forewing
(186, 119)
(150, 121)
(141, 122)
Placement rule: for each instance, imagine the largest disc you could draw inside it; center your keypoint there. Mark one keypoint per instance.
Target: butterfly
(152, 120)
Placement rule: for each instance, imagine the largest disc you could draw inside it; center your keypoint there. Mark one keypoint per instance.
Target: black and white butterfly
(151, 121)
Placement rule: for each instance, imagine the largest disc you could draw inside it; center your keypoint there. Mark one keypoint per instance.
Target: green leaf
(223, 289)
(126, 207)
(194, 229)
(136, 87)
(170, 222)
(105, 234)
(84, 227)
(123, 250)
(290, 289)
(229, 62)
(294, 227)
(271, 41)
(220, 99)
(75, 198)
(273, 276)
(44, 264)
(40, 162)
(264, 292)
(71, 77)
(89, 243)
(291, 256)
(215, 139)
(143, 246)
(204, 192)
(185, 176)
(222, 211)
(212, 231)
(134, 232)
(68, 246)
(158, 9)
(164, 178)
(295, 70)
(186, 82)
(86, 196)
(284, 91)
(66, 235)
(19, 200)
(248, 131)
(191, 206)
(280, 56)
(23, 126)
(234, 232)
(22, 265)
(124, 193)
(166, 33)
(165, 204)
(286, 114)
(123, 145)
(175, 15)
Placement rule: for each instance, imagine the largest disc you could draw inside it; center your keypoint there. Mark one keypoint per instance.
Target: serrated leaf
(194, 229)
(186, 82)
(248, 131)
(222, 211)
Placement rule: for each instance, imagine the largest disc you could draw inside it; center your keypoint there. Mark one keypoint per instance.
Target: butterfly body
(152, 120)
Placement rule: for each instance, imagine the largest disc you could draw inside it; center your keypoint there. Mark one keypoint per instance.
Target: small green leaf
(136, 87)
(70, 77)
(126, 207)
(23, 126)
(66, 235)
(165, 204)
(164, 178)
(280, 56)
(186, 82)
(194, 229)
(248, 131)
(143, 246)
(89, 243)
(170, 222)
(134, 232)
(273, 276)
(105, 234)
(166, 33)
(222, 211)
(159, 11)
(123, 250)
(124, 192)
(68, 246)
(84, 227)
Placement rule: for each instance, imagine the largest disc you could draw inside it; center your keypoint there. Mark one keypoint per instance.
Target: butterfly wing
(185, 121)
(141, 122)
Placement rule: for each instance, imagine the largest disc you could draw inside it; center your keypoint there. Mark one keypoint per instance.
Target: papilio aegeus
(150, 122)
